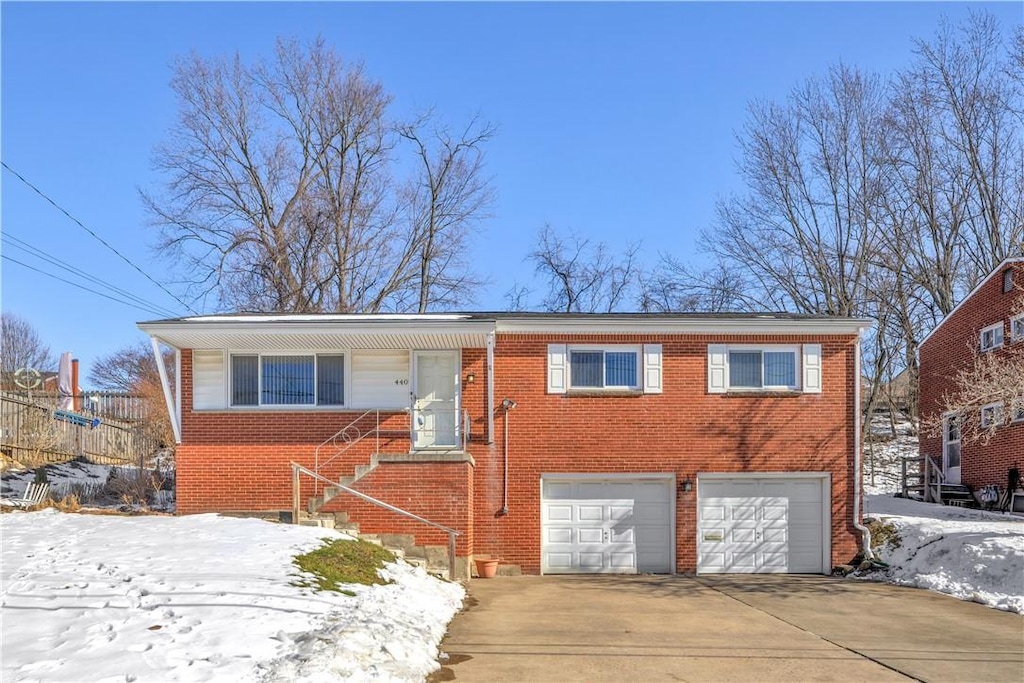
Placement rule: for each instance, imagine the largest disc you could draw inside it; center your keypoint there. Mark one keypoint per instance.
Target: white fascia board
(998, 269)
(340, 326)
(721, 326)
(328, 318)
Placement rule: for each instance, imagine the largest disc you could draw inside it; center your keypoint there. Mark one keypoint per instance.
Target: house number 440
(401, 381)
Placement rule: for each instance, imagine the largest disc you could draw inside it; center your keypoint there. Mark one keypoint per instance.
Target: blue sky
(615, 120)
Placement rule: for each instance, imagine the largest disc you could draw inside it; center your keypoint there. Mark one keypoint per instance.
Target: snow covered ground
(201, 598)
(971, 554)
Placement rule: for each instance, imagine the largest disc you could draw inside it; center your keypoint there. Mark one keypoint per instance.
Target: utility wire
(13, 241)
(97, 237)
(80, 286)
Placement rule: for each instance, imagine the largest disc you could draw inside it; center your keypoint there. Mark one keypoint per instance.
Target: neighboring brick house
(989, 320)
(560, 443)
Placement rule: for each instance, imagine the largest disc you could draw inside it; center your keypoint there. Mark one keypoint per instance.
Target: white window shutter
(558, 376)
(812, 368)
(652, 368)
(209, 380)
(718, 368)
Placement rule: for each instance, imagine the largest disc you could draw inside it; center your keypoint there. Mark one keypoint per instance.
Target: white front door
(761, 525)
(435, 414)
(951, 449)
(606, 526)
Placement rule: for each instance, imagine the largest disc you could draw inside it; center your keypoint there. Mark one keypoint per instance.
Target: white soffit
(717, 327)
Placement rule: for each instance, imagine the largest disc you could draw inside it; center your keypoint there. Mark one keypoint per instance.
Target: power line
(80, 286)
(97, 237)
(53, 260)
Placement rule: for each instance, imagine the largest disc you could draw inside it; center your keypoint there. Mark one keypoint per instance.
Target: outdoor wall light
(686, 485)
(470, 378)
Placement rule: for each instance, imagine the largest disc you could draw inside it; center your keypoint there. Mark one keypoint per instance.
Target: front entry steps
(432, 558)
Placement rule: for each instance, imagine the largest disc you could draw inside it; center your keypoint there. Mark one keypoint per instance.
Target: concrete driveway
(725, 628)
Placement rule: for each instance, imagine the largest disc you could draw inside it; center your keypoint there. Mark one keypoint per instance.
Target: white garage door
(613, 526)
(753, 525)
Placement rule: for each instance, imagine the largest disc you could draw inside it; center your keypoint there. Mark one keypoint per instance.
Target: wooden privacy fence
(31, 433)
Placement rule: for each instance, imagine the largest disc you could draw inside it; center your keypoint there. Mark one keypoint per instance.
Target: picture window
(603, 368)
(287, 380)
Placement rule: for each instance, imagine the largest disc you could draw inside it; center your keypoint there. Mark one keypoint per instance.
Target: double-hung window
(1017, 328)
(992, 337)
(762, 369)
(287, 380)
(604, 368)
(1017, 410)
(991, 415)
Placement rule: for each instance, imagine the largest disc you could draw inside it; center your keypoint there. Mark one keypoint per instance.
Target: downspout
(865, 533)
(490, 387)
(507, 404)
(166, 385)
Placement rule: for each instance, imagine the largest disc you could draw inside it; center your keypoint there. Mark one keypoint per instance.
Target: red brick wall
(684, 431)
(233, 460)
(951, 347)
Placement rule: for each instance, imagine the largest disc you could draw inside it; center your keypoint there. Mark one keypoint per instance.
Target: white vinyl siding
(208, 380)
(380, 379)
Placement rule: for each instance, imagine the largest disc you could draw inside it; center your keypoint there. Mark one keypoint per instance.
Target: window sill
(604, 393)
(762, 393)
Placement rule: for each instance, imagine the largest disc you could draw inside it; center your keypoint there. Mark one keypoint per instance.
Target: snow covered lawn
(970, 554)
(201, 598)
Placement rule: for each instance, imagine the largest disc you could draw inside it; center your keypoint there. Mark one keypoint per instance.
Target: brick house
(989, 320)
(561, 443)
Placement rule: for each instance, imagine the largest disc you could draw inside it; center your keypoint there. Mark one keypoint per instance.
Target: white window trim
(1017, 410)
(1016, 336)
(636, 349)
(795, 349)
(997, 415)
(229, 373)
(991, 328)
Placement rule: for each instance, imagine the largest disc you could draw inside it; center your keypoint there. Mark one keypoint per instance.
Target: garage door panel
(558, 513)
(557, 490)
(557, 535)
(755, 524)
(618, 526)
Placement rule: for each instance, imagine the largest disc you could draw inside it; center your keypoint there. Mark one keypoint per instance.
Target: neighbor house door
(435, 422)
(951, 449)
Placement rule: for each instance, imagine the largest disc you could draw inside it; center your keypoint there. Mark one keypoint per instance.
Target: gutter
(865, 533)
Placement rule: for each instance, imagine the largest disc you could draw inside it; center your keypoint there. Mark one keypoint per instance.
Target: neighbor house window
(1017, 328)
(608, 368)
(991, 415)
(762, 369)
(287, 380)
(992, 337)
(1018, 410)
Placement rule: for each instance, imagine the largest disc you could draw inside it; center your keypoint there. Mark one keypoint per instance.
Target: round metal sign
(27, 378)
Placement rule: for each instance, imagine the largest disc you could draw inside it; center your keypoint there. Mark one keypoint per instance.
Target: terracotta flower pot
(486, 568)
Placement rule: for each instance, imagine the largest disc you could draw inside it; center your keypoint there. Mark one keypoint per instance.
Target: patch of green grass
(340, 562)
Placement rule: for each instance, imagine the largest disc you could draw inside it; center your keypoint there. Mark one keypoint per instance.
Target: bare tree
(584, 277)
(22, 347)
(447, 199)
(281, 192)
(805, 232)
(674, 287)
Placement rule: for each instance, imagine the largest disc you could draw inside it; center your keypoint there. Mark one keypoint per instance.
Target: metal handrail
(298, 469)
